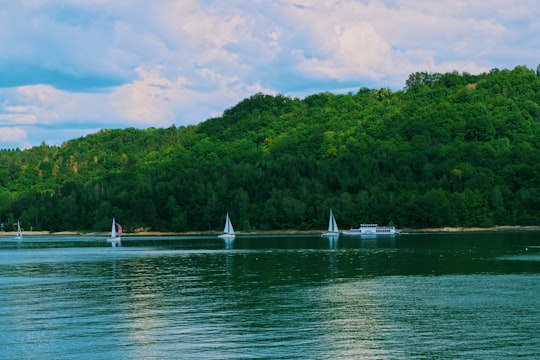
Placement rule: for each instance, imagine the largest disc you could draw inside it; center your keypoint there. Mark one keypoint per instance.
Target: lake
(412, 296)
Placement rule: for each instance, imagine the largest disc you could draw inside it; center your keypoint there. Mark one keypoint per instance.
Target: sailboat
(333, 230)
(18, 236)
(116, 234)
(228, 231)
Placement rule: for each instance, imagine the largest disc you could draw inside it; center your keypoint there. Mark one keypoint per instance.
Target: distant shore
(281, 232)
(472, 229)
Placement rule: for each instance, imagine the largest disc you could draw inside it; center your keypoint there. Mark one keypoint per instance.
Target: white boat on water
(228, 231)
(18, 236)
(333, 230)
(371, 229)
(116, 234)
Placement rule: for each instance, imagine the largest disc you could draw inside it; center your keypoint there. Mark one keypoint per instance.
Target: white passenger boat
(371, 229)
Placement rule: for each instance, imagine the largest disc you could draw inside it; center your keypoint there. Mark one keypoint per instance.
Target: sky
(69, 68)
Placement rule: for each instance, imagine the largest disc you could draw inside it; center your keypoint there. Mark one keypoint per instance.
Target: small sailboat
(116, 234)
(18, 236)
(333, 230)
(228, 231)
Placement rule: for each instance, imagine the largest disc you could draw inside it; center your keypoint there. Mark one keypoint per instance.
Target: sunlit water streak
(462, 296)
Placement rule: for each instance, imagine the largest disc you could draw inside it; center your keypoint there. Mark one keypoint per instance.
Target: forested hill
(449, 150)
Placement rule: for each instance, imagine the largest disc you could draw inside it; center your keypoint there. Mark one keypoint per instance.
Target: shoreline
(281, 232)
(471, 229)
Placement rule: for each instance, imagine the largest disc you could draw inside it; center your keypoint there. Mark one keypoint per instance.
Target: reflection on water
(409, 296)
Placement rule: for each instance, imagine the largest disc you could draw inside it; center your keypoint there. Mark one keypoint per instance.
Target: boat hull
(330, 235)
(227, 236)
(380, 231)
(371, 230)
(115, 242)
(358, 233)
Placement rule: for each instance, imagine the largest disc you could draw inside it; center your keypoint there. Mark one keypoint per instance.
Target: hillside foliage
(450, 149)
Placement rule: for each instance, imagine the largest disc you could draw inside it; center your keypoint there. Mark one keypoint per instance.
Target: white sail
(19, 232)
(116, 236)
(333, 230)
(113, 229)
(332, 225)
(228, 226)
(228, 230)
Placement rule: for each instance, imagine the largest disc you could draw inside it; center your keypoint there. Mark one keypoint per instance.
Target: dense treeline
(449, 150)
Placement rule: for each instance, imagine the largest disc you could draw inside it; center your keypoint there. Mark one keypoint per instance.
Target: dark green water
(429, 296)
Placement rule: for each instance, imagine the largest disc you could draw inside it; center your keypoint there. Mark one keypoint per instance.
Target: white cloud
(354, 51)
(389, 40)
(13, 137)
(19, 116)
(69, 65)
(150, 100)
(48, 106)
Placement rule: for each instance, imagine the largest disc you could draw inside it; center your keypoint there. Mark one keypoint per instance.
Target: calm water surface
(436, 296)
